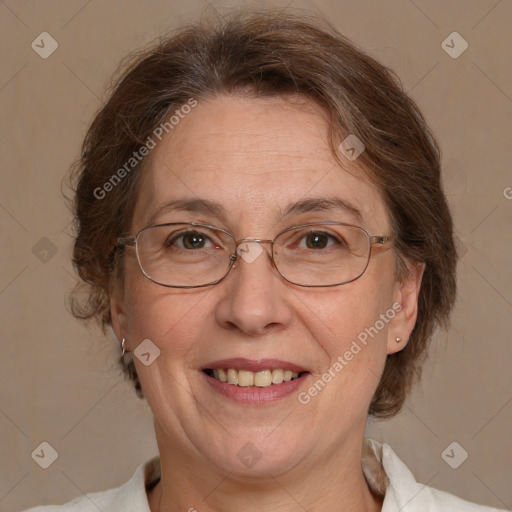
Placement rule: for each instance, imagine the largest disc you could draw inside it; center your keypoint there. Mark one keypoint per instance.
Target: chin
(258, 456)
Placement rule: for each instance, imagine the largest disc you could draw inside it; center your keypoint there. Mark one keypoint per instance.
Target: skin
(254, 156)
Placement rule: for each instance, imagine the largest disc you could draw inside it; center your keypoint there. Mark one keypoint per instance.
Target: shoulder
(403, 493)
(130, 497)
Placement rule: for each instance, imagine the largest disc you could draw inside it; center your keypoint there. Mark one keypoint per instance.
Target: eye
(189, 240)
(318, 240)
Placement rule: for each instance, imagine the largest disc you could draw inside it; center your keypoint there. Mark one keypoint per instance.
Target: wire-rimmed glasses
(195, 254)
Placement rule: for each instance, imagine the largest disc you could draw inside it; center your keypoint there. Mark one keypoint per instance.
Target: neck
(334, 482)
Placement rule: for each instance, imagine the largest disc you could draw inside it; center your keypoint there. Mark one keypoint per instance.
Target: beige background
(57, 384)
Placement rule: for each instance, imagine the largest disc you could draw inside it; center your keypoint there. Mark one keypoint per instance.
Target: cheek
(353, 339)
(350, 324)
(170, 318)
(356, 311)
(173, 321)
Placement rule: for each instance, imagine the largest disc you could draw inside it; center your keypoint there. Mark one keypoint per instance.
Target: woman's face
(255, 158)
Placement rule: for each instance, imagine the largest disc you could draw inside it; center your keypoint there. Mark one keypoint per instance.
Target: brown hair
(273, 53)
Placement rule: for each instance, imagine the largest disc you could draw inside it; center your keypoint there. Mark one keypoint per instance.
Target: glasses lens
(184, 254)
(322, 254)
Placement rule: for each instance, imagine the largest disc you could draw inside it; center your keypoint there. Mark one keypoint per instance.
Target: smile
(254, 381)
(247, 378)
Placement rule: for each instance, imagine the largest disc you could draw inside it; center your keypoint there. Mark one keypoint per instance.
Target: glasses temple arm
(379, 239)
(125, 241)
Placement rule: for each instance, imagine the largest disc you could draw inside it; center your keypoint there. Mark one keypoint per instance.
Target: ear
(118, 314)
(405, 295)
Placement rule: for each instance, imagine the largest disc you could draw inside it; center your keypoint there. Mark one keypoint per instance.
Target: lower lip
(254, 395)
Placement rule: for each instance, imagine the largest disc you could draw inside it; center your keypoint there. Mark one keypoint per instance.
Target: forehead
(255, 158)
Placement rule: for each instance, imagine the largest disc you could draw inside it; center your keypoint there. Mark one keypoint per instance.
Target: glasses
(193, 254)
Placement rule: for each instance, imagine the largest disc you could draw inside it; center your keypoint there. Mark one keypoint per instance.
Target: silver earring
(122, 346)
(397, 339)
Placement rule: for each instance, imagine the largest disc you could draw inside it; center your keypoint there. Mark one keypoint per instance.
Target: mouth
(247, 378)
(250, 373)
(254, 382)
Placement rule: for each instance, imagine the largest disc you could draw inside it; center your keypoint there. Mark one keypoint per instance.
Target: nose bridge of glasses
(255, 240)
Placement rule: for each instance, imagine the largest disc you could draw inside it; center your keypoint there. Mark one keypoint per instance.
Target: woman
(261, 222)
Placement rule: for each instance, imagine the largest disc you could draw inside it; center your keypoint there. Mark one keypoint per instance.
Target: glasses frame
(131, 241)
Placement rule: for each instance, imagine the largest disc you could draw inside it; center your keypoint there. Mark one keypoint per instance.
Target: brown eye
(317, 240)
(193, 241)
(188, 240)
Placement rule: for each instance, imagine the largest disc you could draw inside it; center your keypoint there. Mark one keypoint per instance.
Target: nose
(254, 296)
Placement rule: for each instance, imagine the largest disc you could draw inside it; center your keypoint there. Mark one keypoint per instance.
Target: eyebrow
(314, 204)
(208, 207)
(197, 205)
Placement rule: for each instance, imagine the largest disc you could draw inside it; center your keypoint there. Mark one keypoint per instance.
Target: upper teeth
(261, 379)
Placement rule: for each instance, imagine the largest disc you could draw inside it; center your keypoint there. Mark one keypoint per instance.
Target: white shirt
(386, 475)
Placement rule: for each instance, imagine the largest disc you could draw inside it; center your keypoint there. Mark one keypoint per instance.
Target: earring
(397, 339)
(122, 346)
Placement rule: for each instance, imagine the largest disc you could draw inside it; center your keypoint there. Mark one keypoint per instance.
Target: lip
(253, 365)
